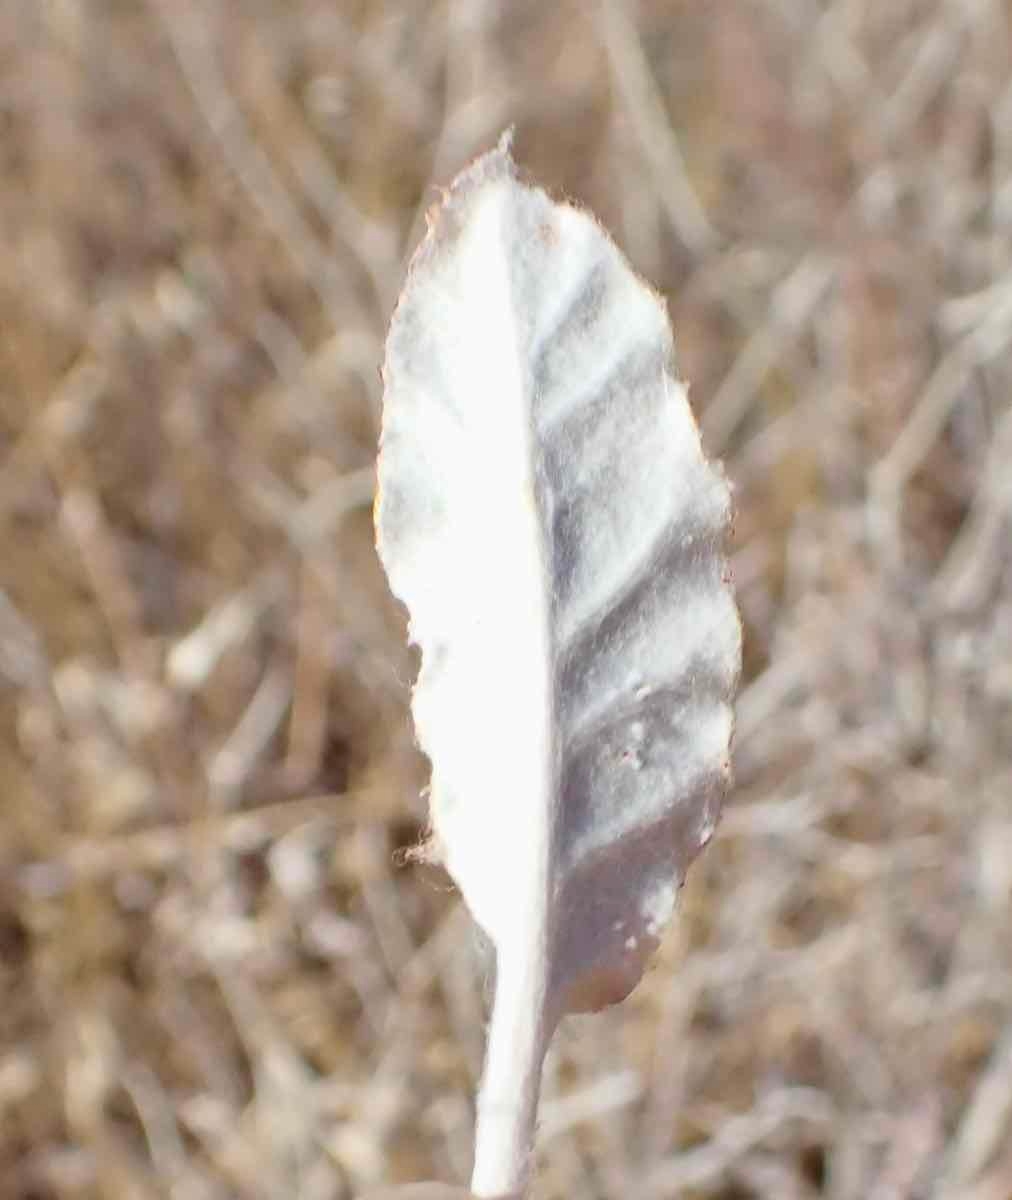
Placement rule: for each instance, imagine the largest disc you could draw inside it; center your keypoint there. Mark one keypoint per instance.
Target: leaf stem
(518, 1038)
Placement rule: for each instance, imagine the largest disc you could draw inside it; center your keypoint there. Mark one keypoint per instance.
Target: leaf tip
(505, 144)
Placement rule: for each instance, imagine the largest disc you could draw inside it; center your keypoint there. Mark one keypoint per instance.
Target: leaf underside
(547, 516)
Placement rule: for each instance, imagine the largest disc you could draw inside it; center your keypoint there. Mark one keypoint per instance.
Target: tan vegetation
(217, 977)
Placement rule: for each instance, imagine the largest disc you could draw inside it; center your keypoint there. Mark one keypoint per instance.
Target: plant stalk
(518, 1038)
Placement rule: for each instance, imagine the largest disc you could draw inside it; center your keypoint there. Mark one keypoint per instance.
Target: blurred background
(218, 976)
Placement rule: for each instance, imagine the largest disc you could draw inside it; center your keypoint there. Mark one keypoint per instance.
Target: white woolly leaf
(548, 518)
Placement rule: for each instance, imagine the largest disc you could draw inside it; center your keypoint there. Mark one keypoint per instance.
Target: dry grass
(214, 980)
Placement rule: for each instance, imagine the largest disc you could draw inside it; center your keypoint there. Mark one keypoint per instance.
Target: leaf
(548, 518)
